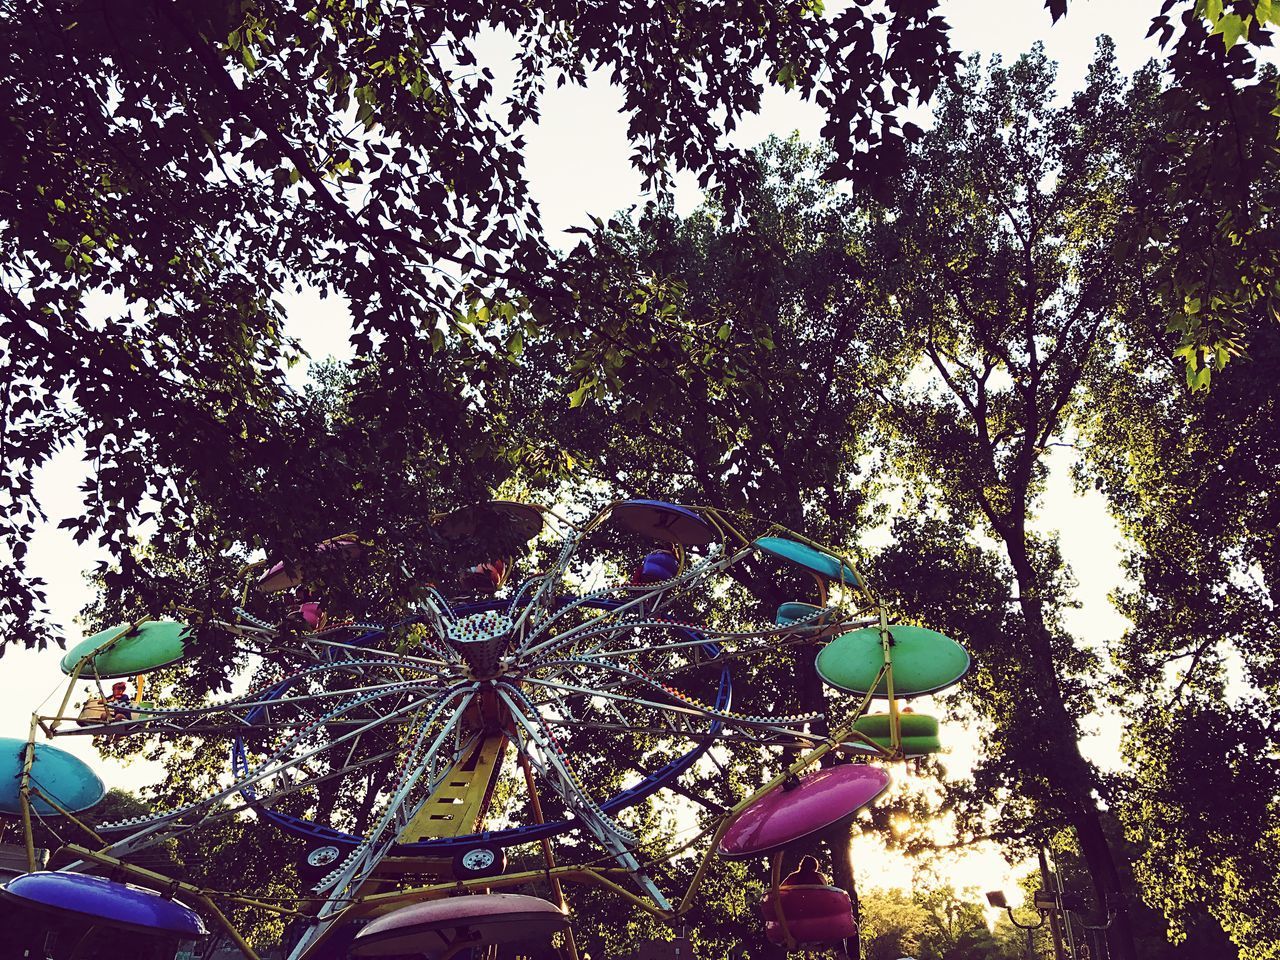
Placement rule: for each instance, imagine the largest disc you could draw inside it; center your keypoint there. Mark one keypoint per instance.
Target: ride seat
(95, 710)
(656, 567)
(483, 578)
(815, 914)
(919, 733)
(795, 610)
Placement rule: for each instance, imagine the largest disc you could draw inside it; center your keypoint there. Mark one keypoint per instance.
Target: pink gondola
(794, 811)
(815, 914)
(282, 575)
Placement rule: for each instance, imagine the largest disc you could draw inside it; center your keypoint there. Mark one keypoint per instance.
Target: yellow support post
(229, 928)
(723, 526)
(24, 795)
(895, 722)
(547, 854)
(163, 884)
(456, 808)
(63, 811)
(458, 805)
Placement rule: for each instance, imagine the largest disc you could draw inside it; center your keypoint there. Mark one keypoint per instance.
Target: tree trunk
(1097, 854)
(813, 699)
(840, 840)
(1065, 769)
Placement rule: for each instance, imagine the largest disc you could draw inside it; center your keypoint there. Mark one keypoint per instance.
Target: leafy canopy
(170, 169)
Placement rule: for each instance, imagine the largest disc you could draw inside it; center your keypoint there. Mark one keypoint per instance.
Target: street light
(1065, 902)
(997, 899)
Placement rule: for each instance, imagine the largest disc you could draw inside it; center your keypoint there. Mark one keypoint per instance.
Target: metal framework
(411, 722)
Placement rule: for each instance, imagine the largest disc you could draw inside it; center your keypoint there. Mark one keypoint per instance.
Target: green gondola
(923, 661)
(919, 733)
(154, 644)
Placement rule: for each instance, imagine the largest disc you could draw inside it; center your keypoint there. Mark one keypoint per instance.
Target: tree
(738, 378)
(196, 161)
(1193, 483)
(931, 924)
(893, 925)
(1208, 203)
(957, 929)
(1202, 937)
(1004, 279)
(186, 160)
(1003, 301)
(190, 162)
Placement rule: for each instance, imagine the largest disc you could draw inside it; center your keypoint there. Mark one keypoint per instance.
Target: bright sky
(577, 165)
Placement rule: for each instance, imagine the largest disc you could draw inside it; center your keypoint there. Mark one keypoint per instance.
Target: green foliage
(742, 373)
(931, 924)
(1003, 282)
(744, 376)
(1206, 209)
(1193, 481)
(789, 350)
(1210, 174)
(172, 169)
(1233, 22)
(893, 925)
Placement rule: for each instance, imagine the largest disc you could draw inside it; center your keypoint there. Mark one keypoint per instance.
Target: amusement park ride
(500, 711)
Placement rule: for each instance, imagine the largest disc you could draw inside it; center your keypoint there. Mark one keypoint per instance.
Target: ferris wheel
(500, 736)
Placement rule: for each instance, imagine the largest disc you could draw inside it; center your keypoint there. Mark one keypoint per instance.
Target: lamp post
(1056, 905)
(997, 899)
(1050, 896)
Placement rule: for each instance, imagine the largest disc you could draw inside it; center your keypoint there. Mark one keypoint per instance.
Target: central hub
(482, 639)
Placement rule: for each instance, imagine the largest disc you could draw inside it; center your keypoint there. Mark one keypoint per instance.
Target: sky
(577, 164)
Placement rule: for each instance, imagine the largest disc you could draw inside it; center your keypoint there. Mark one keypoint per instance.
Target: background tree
(335, 458)
(930, 924)
(1209, 180)
(739, 378)
(186, 160)
(1193, 483)
(1154, 936)
(893, 925)
(1003, 277)
(957, 928)
(190, 162)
